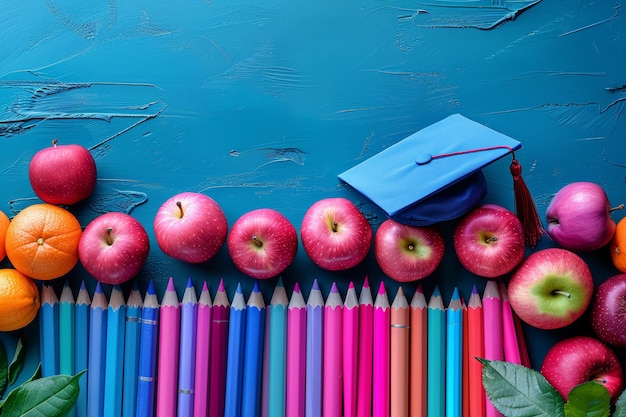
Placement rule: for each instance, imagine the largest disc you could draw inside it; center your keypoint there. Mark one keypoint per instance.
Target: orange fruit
(42, 241)
(618, 246)
(4, 224)
(19, 300)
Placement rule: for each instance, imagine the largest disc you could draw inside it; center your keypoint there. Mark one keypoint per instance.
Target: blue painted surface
(262, 104)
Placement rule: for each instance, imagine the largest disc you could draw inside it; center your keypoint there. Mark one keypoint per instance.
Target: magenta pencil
(219, 349)
(350, 351)
(382, 334)
(332, 405)
(169, 330)
(203, 352)
(366, 337)
(296, 352)
(509, 334)
(492, 318)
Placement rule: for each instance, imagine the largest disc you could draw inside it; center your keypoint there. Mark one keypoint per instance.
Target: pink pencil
(509, 335)
(492, 317)
(350, 351)
(382, 323)
(366, 337)
(296, 353)
(203, 353)
(169, 330)
(219, 351)
(333, 329)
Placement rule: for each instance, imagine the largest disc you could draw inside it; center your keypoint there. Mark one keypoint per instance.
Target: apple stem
(620, 207)
(565, 293)
(54, 142)
(257, 241)
(109, 238)
(334, 226)
(180, 207)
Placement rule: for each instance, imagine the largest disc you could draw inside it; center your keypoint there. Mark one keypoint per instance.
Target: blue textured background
(262, 104)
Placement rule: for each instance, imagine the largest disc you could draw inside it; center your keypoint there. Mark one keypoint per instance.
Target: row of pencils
(355, 356)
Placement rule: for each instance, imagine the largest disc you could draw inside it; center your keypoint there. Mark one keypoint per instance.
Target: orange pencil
(418, 353)
(475, 348)
(399, 371)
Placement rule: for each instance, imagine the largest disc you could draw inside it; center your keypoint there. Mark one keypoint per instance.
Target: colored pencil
(521, 340)
(492, 324)
(332, 405)
(418, 353)
(454, 356)
(296, 352)
(148, 353)
(366, 340)
(97, 353)
(253, 354)
(169, 345)
(203, 352)
(114, 367)
(187, 351)
(66, 334)
(132, 339)
(350, 351)
(399, 355)
(436, 387)
(509, 333)
(219, 349)
(278, 348)
(49, 331)
(234, 361)
(265, 373)
(382, 334)
(475, 349)
(465, 356)
(314, 351)
(81, 330)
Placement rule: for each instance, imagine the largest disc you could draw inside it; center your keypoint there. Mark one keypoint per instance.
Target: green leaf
(4, 370)
(518, 391)
(590, 399)
(18, 361)
(620, 406)
(51, 396)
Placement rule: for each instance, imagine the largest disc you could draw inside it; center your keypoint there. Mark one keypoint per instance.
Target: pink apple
(335, 234)
(113, 247)
(551, 289)
(579, 217)
(489, 241)
(62, 174)
(579, 359)
(407, 253)
(190, 227)
(608, 311)
(262, 243)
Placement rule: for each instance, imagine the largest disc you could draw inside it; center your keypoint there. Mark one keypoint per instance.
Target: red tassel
(525, 206)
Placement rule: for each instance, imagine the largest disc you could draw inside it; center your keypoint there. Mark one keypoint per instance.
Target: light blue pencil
(454, 356)
(81, 331)
(147, 354)
(436, 355)
(278, 349)
(253, 354)
(97, 353)
(131, 352)
(187, 351)
(314, 352)
(114, 367)
(66, 334)
(49, 331)
(234, 362)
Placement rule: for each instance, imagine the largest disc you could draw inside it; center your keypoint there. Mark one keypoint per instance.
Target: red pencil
(219, 350)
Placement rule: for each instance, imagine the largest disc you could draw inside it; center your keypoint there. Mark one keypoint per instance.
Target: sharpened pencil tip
(150, 289)
(238, 289)
(455, 293)
(474, 289)
(334, 288)
(381, 288)
(351, 285)
(83, 286)
(436, 292)
(189, 282)
(315, 285)
(220, 288)
(205, 287)
(98, 288)
(296, 287)
(170, 285)
(256, 287)
(366, 282)
(279, 283)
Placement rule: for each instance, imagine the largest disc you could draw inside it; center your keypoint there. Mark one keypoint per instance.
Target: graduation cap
(435, 174)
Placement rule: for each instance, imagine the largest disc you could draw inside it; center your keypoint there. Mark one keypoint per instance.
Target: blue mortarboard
(434, 174)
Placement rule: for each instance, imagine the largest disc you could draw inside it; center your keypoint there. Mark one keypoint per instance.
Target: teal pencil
(81, 331)
(436, 355)
(66, 334)
(131, 352)
(454, 356)
(97, 353)
(277, 351)
(114, 367)
(49, 331)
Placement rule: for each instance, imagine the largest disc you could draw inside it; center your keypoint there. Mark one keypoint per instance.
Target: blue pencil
(436, 355)
(253, 354)
(278, 348)
(49, 331)
(187, 352)
(234, 362)
(131, 352)
(97, 353)
(81, 331)
(454, 356)
(314, 352)
(147, 354)
(114, 367)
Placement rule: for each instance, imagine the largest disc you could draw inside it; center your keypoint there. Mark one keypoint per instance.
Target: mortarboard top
(434, 174)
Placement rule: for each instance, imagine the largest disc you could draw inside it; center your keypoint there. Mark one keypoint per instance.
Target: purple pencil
(314, 352)
(187, 356)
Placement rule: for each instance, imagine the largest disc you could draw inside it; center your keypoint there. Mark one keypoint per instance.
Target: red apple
(551, 289)
(190, 227)
(113, 247)
(407, 253)
(62, 174)
(579, 217)
(335, 234)
(262, 243)
(489, 241)
(576, 360)
(608, 311)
